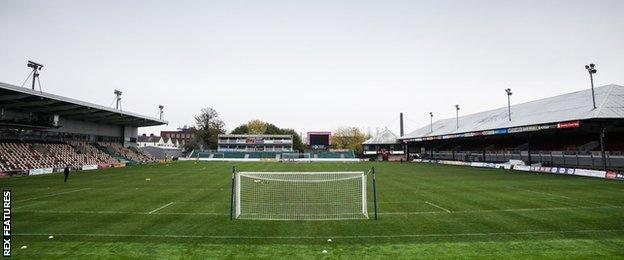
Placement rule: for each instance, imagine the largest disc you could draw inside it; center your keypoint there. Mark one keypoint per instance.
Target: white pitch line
(543, 193)
(332, 236)
(381, 213)
(121, 212)
(162, 207)
(434, 205)
(50, 195)
(557, 195)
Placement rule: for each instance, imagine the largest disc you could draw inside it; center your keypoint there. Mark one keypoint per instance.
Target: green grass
(426, 211)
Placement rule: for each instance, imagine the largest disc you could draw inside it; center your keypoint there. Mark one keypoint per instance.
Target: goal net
(300, 195)
(296, 157)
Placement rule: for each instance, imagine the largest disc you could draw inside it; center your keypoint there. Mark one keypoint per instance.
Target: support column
(483, 147)
(529, 148)
(602, 148)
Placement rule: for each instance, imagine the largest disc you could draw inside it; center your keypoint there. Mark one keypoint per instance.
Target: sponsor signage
(572, 124)
(519, 129)
(89, 167)
(590, 173)
(556, 170)
(40, 171)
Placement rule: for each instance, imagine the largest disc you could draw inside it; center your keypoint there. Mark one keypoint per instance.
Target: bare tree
(209, 126)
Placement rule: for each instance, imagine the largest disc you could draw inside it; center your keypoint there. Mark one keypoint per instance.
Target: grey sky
(312, 65)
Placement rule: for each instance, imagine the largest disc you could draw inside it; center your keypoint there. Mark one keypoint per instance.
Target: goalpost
(300, 195)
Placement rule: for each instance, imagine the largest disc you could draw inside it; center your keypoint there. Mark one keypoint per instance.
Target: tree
(256, 127)
(241, 129)
(209, 126)
(349, 138)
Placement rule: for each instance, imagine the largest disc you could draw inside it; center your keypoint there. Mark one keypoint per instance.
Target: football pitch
(425, 211)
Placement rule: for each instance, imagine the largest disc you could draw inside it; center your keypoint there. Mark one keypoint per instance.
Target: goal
(299, 196)
(296, 157)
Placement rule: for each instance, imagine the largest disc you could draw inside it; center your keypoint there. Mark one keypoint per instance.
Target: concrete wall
(88, 128)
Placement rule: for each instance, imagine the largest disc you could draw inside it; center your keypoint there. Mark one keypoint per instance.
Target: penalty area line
(434, 205)
(162, 207)
(333, 236)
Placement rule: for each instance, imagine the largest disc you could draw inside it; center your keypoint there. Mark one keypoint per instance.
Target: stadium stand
(41, 132)
(317, 154)
(561, 131)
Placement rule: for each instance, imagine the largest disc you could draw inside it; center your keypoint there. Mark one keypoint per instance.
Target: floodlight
(591, 70)
(34, 65)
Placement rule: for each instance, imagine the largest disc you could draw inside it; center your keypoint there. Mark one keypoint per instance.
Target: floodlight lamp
(592, 65)
(457, 107)
(34, 65)
(431, 114)
(117, 92)
(587, 67)
(593, 71)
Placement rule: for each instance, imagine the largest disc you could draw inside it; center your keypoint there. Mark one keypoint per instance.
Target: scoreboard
(319, 140)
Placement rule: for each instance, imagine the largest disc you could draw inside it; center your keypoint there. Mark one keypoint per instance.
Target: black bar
(374, 192)
(232, 194)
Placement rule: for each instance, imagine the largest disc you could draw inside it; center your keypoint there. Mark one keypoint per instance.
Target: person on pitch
(66, 172)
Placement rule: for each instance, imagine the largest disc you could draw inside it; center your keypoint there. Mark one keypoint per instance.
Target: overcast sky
(312, 65)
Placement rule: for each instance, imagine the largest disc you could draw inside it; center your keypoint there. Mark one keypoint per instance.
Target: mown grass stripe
(547, 232)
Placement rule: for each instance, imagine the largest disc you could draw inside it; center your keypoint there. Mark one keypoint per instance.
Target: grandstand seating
(127, 153)
(24, 156)
(101, 157)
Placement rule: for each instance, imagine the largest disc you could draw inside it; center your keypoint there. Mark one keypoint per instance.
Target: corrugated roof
(384, 137)
(567, 107)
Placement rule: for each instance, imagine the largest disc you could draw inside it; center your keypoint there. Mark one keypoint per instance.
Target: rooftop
(567, 107)
(28, 100)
